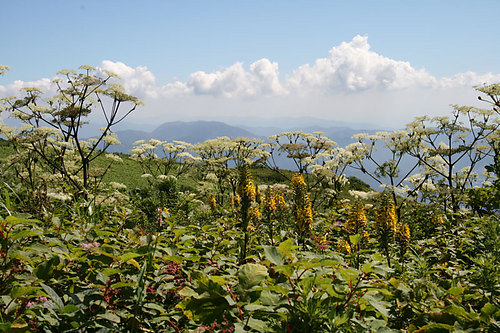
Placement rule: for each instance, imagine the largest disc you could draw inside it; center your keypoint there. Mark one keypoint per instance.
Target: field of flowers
(215, 237)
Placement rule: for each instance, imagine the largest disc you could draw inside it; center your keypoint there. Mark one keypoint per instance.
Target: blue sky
(157, 46)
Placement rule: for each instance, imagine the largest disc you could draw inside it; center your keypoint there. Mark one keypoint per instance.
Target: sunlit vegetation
(215, 237)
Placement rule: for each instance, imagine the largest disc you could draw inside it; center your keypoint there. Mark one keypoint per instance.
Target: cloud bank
(352, 83)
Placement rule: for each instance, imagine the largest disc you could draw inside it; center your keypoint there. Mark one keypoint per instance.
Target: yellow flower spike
(235, 201)
(403, 235)
(254, 214)
(344, 247)
(212, 202)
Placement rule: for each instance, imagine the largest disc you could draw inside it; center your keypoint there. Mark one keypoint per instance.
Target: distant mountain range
(199, 131)
(188, 131)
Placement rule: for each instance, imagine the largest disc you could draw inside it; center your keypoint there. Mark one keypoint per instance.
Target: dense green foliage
(214, 237)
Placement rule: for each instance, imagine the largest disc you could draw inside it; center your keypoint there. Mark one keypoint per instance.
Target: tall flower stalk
(302, 209)
(355, 228)
(246, 191)
(385, 224)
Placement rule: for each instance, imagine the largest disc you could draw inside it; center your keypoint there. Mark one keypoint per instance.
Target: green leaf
(456, 291)
(251, 275)
(188, 292)
(273, 255)
(155, 306)
(123, 285)
(14, 220)
(110, 316)
(435, 328)
(18, 325)
(53, 296)
(257, 325)
(355, 239)
(18, 292)
(24, 234)
(489, 309)
(347, 274)
(141, 283)
(377, 303)
(70, 308)
(45, 270)
(127, 256)
(285, 248)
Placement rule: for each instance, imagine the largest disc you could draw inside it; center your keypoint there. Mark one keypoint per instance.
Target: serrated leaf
(285, 248)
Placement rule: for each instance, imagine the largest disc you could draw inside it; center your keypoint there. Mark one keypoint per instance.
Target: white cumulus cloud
(352, 67)
(261, 80)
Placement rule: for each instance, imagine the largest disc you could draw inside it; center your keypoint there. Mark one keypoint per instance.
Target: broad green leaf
(456, 291)
(355, 239)
(45, 270)
(24, 234)
(70, 308)
(489, 309)
(18, 292)
(273, 255)
(123, 285)
(379, 305)
(435, 328)
(251, 275)
(285, 248)
(188, 292)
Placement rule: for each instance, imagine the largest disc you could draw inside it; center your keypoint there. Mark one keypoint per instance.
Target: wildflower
(235, 201)
(87, 246)
(344, 247)
(212, 202)
(250, 190)
(254, 214)
(385, 218)
(322, 242)
(117, 186)
(302, 209)
(111, 139)
(403, 236)
(258, 197)
(356, 222)
(385, 224)
(438, 220)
